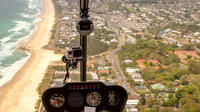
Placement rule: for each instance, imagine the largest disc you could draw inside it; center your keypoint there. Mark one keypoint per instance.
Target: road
(115, 63)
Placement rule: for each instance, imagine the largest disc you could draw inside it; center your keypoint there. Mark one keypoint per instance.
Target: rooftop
(158, 86)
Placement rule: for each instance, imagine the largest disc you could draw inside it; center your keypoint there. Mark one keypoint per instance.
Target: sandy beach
(20, 94)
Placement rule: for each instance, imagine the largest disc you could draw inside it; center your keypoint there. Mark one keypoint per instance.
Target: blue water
(17, 21)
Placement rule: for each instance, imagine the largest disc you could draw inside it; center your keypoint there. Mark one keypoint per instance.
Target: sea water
(17, 21)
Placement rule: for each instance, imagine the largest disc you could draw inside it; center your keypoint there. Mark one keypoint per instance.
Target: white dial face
(57, 100)
(93, 99)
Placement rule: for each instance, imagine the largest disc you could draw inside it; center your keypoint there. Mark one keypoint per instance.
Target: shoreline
(24, 41)
(20, 94)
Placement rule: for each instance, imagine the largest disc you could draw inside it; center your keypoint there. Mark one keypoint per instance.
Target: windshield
(148, 47)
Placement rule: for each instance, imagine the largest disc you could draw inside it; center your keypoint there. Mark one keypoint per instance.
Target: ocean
(18, 20)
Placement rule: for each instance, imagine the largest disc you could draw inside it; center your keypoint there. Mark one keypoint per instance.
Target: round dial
(57, 100)
(103, 111)
(113, 98)
(93, 99)
(75, 99)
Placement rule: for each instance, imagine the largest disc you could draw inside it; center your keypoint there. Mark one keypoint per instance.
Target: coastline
(20, 94)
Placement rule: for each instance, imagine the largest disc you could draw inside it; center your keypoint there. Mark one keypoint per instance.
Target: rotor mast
(83, 40)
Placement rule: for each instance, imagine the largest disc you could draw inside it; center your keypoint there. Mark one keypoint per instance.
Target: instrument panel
(85, 97)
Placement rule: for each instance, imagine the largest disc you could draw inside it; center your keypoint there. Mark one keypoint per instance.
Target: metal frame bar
(83, 41)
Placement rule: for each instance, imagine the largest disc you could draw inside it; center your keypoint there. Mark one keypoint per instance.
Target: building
(94, 76)
(159, 86)
(127, 61)
(184, 54)
(136, 76)
(131, 110)
(131, 40)
(103, 70)
(141, 62)
(131, 70)
(131, 104)
(139, 81)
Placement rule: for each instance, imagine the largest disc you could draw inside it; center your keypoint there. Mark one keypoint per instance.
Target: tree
(191, 88)
(152, 110)
(194, 67)
(149, 74)
(177, 73)
(167, 109)
(188, 47)
(174, 58)
(143, 100)
(169, 102)
(189, 57)
(191, 107)
(184, 80)
(180, 93)
(198, 45)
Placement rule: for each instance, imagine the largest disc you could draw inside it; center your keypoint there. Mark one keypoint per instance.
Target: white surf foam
(37, 20)
(33, 4)
(8, 73)
(26, 15)
(20, 25)
(7, 50)
(5, 39)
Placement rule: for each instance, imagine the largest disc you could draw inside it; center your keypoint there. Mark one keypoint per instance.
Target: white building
(140, 81)
(94, 75)
(136, 76)
(127, 61)
(131, 110)
(131, 70)
(131, 40)
(132, 102)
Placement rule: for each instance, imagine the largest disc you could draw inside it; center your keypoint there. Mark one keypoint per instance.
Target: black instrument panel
(85, 97)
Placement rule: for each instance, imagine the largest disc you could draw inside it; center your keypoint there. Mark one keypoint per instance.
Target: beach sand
(20, 94)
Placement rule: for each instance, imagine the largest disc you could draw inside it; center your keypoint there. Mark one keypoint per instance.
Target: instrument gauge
(75, 99)
(113, 98)
(57, 100)
(93, 99)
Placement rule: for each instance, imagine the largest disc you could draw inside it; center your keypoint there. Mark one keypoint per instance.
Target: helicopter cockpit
(83, 96)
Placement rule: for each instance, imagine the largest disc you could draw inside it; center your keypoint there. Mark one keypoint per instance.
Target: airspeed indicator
(57, 100)
(93, 99)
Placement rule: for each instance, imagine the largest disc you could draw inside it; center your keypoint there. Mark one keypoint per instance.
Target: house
(184, 54)
(130, 70)
(131, 40)
(65, 18)
(94, 76)
(60, 42)
(159, 86)
(136, 76)
(132, 102)
(141, 64)
(127, 61)
(140, 81)
(140, 87)
(103, 70)
(57, 81)
(131, 110)
(59, 73)
(114, 40)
